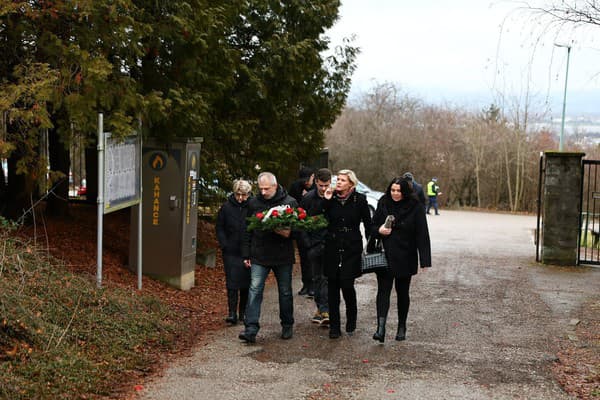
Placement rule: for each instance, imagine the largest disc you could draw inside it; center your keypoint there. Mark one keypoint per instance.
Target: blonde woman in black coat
(345, 209)
(231, 228)
(406, 244)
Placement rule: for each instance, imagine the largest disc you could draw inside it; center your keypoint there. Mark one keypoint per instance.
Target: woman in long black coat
(345, 209)
(231, 227)
(406, 244)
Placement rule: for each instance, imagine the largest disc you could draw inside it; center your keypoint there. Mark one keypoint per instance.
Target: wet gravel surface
(483, 324)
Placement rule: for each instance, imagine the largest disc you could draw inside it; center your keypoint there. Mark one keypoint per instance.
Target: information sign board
(122, 172)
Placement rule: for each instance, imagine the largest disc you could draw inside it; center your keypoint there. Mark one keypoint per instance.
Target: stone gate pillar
(561, 202)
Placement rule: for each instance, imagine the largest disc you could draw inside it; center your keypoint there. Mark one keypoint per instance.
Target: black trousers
(232, 302)
(305, 268)
(319, 281)
(385, 281)
(346, 286)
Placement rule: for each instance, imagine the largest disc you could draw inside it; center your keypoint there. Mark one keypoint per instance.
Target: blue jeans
(432, 203)
(258, 276)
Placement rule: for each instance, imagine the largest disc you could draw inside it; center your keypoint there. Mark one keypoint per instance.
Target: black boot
(380, 334)
(401, 333)
(242, 306)
(232, 298)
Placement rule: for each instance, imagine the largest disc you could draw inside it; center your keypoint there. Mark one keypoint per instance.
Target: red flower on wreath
(285, 217)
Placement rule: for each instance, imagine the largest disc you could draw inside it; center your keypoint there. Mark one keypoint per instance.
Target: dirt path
(483, 325)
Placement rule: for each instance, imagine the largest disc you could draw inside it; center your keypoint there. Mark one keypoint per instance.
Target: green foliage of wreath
(294, 218)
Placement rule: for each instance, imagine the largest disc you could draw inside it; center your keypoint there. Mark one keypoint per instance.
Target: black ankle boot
(380, 334)
(232, 299)
(401, 333)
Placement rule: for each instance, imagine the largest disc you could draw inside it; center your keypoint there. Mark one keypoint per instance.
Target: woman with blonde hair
(345, 209)
(231, 227)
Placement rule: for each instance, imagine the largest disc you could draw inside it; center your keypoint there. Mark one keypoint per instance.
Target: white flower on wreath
(280, 210)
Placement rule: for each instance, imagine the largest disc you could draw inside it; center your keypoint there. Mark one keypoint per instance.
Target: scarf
(342, 199)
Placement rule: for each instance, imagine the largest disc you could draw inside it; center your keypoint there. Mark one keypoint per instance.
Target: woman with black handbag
(345, 209)
(406, 244)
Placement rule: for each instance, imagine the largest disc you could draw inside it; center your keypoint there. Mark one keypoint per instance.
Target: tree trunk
(58, 201)
(19, 191)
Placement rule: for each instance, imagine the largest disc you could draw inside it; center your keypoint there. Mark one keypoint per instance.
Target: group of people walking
(333, 254)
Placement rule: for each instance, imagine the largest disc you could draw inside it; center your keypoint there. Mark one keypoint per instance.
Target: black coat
(344, 242)
(409, 241)
(314, 204)
(298, 189)
(418, 189)
(231, 229)
(268, 248)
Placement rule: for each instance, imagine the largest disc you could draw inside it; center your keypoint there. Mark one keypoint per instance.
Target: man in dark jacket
(298, 189)
(314, 203)
(417, 187)
(264, 251)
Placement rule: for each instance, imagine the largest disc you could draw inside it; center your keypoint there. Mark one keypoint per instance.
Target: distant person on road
(433, 191)
(417, 187)
(265, 251)
(298, 189)
(406, 244)
(231, 229)
(345, 209)
(314, 204)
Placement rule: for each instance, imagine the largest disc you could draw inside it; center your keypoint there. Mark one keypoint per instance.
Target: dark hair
(406, 188)
(305, 173)
(408, 176)
(323, 174)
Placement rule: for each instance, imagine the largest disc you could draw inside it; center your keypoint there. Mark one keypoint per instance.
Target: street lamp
(562, 125)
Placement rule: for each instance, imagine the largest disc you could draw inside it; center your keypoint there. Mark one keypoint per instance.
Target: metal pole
(139, 227)
(562, 126)
(100, 198)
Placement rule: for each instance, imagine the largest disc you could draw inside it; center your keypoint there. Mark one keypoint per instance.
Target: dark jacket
(297, 189)
(268, 248)
(314, 205)
(409, 241)
(231, 229)
(418, 188)
(344, 242)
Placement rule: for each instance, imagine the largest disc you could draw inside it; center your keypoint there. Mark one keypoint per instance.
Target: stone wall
(561, 207)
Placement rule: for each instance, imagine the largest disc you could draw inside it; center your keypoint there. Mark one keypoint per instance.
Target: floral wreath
(285, 217)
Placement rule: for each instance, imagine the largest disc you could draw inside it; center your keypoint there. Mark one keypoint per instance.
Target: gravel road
(482, 325)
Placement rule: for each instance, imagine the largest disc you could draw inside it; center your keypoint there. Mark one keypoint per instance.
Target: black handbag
(373, 257)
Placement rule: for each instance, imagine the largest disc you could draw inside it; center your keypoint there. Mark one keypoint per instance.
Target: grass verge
(61, 337)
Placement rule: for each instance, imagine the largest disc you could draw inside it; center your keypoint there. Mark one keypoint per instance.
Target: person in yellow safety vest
(433, 190)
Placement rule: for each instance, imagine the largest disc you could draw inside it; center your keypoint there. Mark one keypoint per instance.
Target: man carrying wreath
(266, 250)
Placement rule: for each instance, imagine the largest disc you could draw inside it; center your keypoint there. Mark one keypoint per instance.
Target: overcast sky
(463, 51)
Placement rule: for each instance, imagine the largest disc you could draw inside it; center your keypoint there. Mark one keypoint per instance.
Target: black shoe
(380, 334)
(303, 291)
(350, 327)
(401, 333)
(247, 337)
(334, 334)
(231, 319)
(287, 332)
(310, 294)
